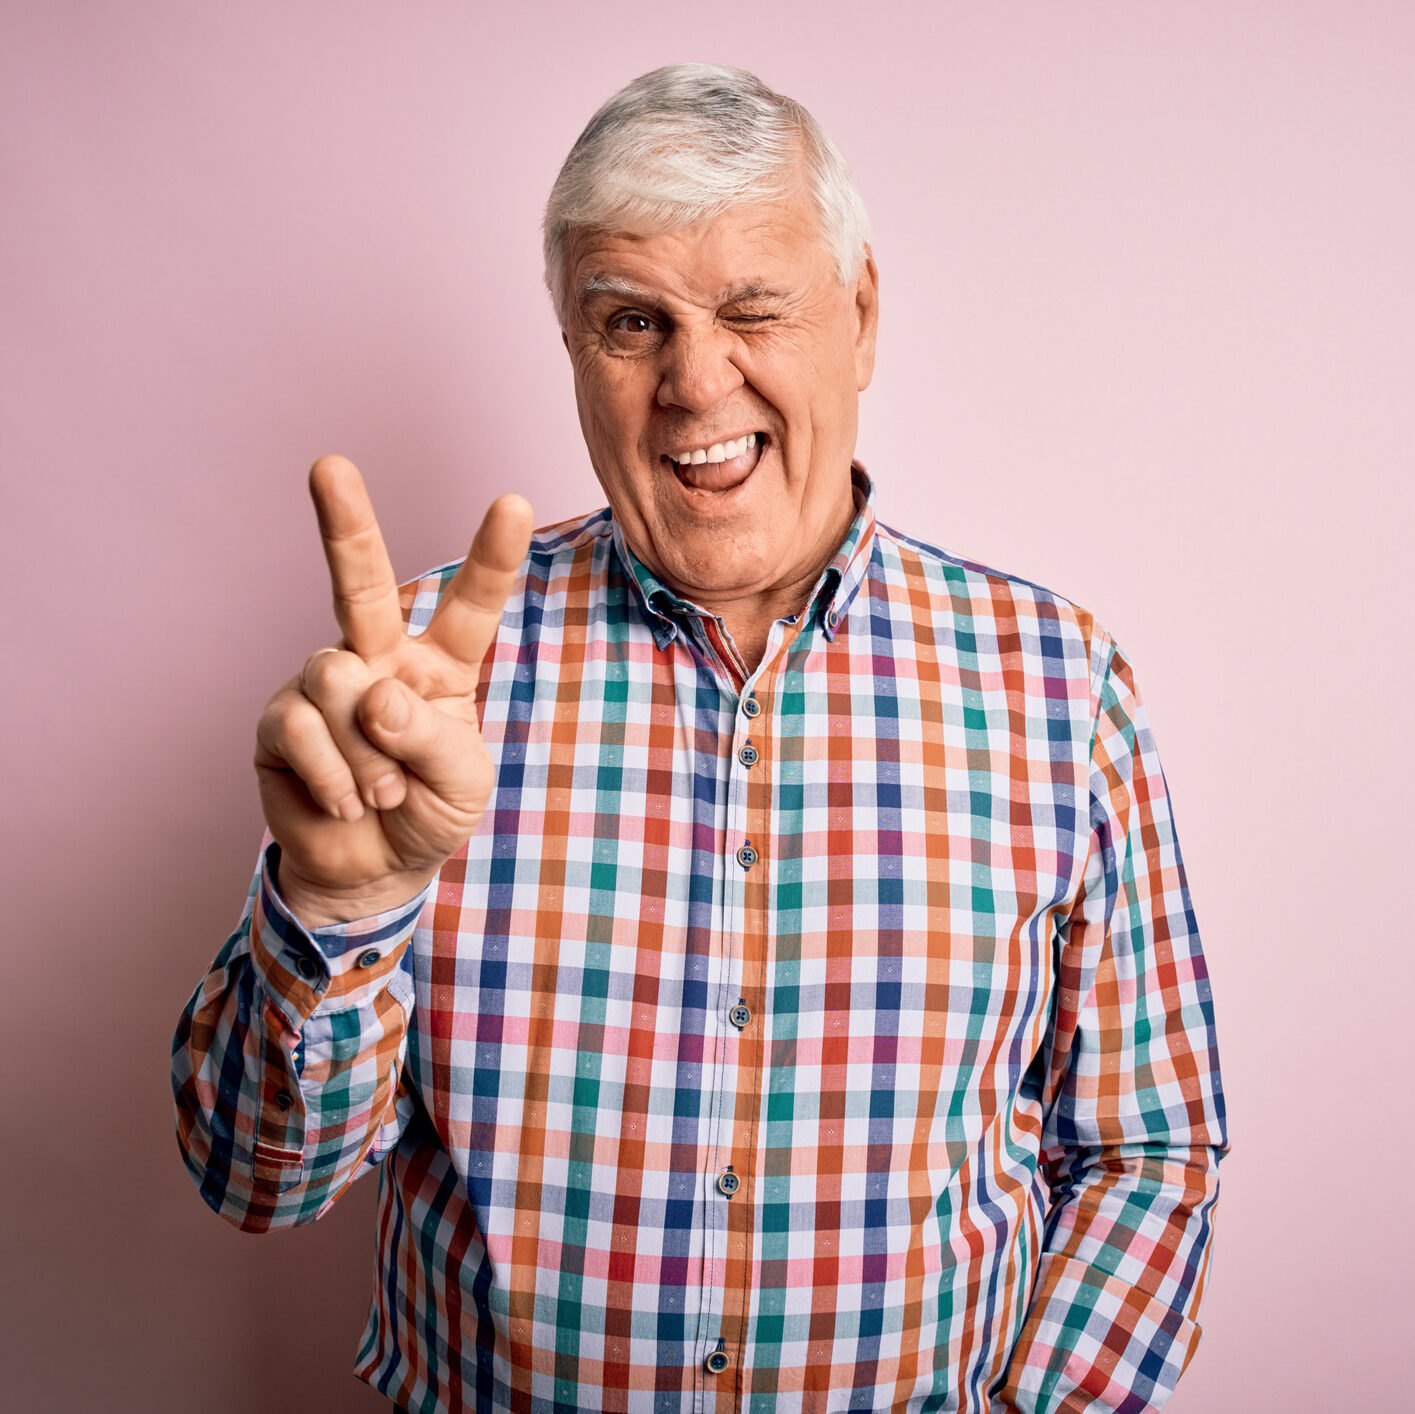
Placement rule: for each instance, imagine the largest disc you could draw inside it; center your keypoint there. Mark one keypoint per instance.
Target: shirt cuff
(311, 972)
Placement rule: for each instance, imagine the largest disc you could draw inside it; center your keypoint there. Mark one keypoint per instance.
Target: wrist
(317, 905)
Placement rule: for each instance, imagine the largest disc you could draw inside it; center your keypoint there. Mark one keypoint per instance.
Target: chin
(709, 573)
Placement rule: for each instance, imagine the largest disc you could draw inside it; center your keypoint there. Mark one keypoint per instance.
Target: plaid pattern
(925, 856)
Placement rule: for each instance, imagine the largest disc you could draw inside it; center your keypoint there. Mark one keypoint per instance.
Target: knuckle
(295, 732)
(307, 730)
(270, 717)
(326, 671)
(273, 723)
(325, 774)
(357, 594)
(339, 727)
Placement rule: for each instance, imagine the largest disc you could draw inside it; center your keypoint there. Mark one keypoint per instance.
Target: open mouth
(722, 466)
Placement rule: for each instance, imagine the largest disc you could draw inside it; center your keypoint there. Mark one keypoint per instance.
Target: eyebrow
(753, 289)
(624, 289)
(612, 285)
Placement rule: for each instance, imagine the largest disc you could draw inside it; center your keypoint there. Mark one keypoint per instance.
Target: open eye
(632, 322)
(631, 331)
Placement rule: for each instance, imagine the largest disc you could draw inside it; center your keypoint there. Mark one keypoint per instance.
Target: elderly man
(751, 944)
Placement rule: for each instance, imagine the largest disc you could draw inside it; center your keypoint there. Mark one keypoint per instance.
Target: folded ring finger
(334, 680)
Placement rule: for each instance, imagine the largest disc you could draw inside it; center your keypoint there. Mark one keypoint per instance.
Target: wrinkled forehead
(761, 250)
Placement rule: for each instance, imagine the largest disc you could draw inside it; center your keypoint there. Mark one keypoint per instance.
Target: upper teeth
(719, 451)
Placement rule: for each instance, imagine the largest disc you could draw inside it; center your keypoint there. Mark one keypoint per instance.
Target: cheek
(804, 384)
(833, 392)
(614, 406)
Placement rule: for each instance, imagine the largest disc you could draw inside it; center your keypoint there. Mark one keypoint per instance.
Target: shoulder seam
(923, 547)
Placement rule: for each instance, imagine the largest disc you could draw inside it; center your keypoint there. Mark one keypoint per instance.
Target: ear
(867, 321)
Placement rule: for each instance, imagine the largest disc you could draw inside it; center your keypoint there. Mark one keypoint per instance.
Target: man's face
(731, 331)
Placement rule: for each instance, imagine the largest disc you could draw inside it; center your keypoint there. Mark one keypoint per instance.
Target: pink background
(1146, 338)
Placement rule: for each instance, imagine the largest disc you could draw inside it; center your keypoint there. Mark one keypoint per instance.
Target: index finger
(360, 572)
(469, 613)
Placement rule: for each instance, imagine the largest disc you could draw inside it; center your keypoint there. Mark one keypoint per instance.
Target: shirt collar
(841, 579)
(831, 598)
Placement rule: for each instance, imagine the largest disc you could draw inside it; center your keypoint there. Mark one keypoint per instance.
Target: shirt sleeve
(1135, 1117)
(287, 1061)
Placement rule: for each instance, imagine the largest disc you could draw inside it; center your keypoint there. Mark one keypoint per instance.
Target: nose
(697, 371)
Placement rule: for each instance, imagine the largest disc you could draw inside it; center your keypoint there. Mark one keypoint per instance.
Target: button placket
(752, 788)
(739, 856)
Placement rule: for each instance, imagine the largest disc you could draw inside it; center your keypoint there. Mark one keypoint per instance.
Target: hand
(371, 764)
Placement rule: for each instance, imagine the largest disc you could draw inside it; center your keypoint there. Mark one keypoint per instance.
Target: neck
(749, 619)
(750, 626)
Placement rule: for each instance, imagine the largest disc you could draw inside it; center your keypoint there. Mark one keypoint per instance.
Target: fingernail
(395, 712)
(388, 792)
(350, 808)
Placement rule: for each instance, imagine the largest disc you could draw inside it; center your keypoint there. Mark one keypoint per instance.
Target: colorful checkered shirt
(829, 1036)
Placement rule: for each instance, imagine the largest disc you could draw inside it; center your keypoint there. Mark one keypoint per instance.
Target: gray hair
(684, 143)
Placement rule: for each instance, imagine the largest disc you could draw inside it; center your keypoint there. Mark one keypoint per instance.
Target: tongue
(721, 476)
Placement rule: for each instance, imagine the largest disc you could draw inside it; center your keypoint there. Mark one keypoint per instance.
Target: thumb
(438, 748)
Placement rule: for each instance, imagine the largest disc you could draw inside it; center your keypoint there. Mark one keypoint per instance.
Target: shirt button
(284, 1099)
(717, 1362)
(728, 1183)
(739, 1016)
(371, 958)
(746, 856)
(308, 968)
(832, 618)
(748, 755)
(751, 706)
